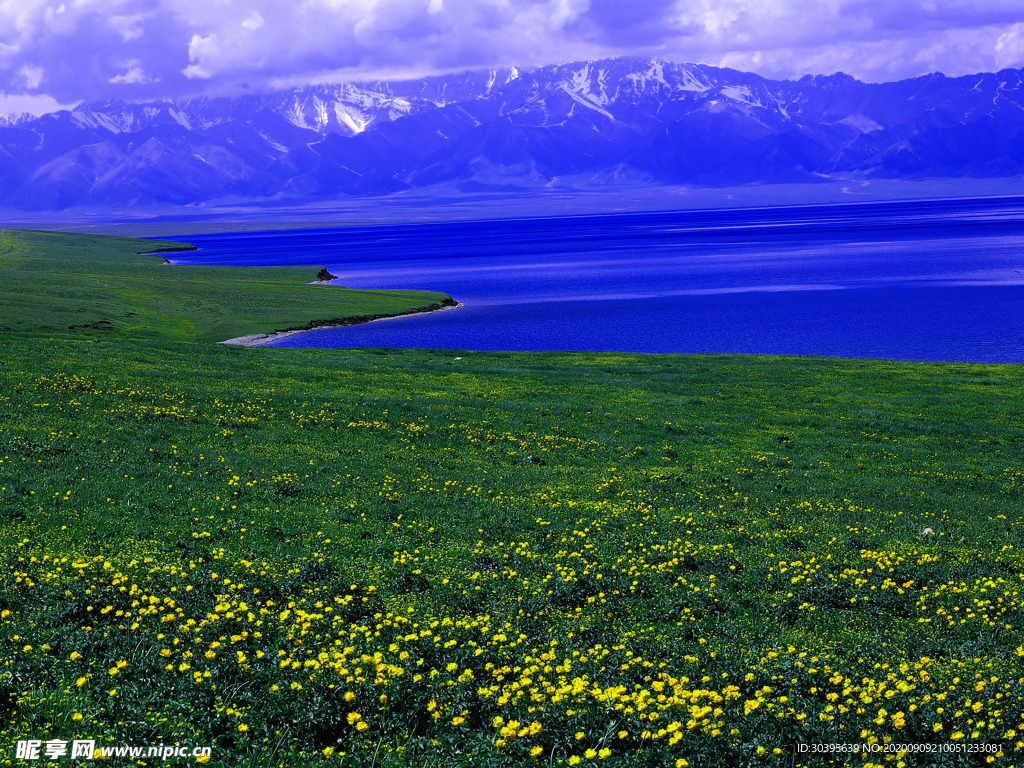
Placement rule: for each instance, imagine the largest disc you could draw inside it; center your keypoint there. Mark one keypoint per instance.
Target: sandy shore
(262, 339)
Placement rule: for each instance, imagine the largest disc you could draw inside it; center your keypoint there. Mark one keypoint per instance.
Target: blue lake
(919, 280)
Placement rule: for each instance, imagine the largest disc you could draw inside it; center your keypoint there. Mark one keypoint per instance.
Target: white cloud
(32, 76)
(79, 47)
(253, 21)
(129, 26)
(953, 52)
(31, 103)
(200, 47)
(1009, 47)
(134, 75)
(565, 11)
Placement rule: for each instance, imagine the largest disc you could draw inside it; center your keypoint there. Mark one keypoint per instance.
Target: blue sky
(55, 54)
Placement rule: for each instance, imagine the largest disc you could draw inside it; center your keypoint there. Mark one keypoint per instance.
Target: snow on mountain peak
(657, 71)
(740, 93)
(667, 122)
(14, 118)
(296, 115)
(353, 118)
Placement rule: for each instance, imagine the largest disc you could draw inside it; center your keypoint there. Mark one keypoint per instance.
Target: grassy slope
(726, 550)
(70, 283)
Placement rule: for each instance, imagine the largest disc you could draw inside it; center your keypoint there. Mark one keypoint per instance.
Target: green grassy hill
(89, 284)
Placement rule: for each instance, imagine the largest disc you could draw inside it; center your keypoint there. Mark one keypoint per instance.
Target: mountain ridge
(637, 120)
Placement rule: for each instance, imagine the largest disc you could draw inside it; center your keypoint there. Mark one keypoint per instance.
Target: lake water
(920, 280)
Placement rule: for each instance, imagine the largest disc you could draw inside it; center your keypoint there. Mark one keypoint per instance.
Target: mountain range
(602, 123)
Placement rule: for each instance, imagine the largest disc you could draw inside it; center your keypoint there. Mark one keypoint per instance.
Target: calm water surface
(935, 280)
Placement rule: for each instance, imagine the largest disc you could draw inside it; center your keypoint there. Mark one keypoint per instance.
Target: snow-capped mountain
(639, 120)
(14, 118)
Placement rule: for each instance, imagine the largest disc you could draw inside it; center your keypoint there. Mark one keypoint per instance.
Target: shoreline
(263, 339)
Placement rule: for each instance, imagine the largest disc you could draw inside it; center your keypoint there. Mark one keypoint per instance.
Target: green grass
(94, 284)
(671, 558)
(432, 558)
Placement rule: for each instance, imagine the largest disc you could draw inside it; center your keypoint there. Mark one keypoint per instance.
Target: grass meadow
(107, 286)
(440, 558)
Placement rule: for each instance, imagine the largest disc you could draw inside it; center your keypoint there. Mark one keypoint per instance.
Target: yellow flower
(590, 754)
(604, 753)
(458, 720)
(361, 726)
(77, 717)
(328, 751)
(574, 760)
(536, 751)
(203, 759)
(354, 717)
(81, 681)
(243, 727)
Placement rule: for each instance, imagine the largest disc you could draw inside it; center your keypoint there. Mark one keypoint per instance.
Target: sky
(57, 54)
